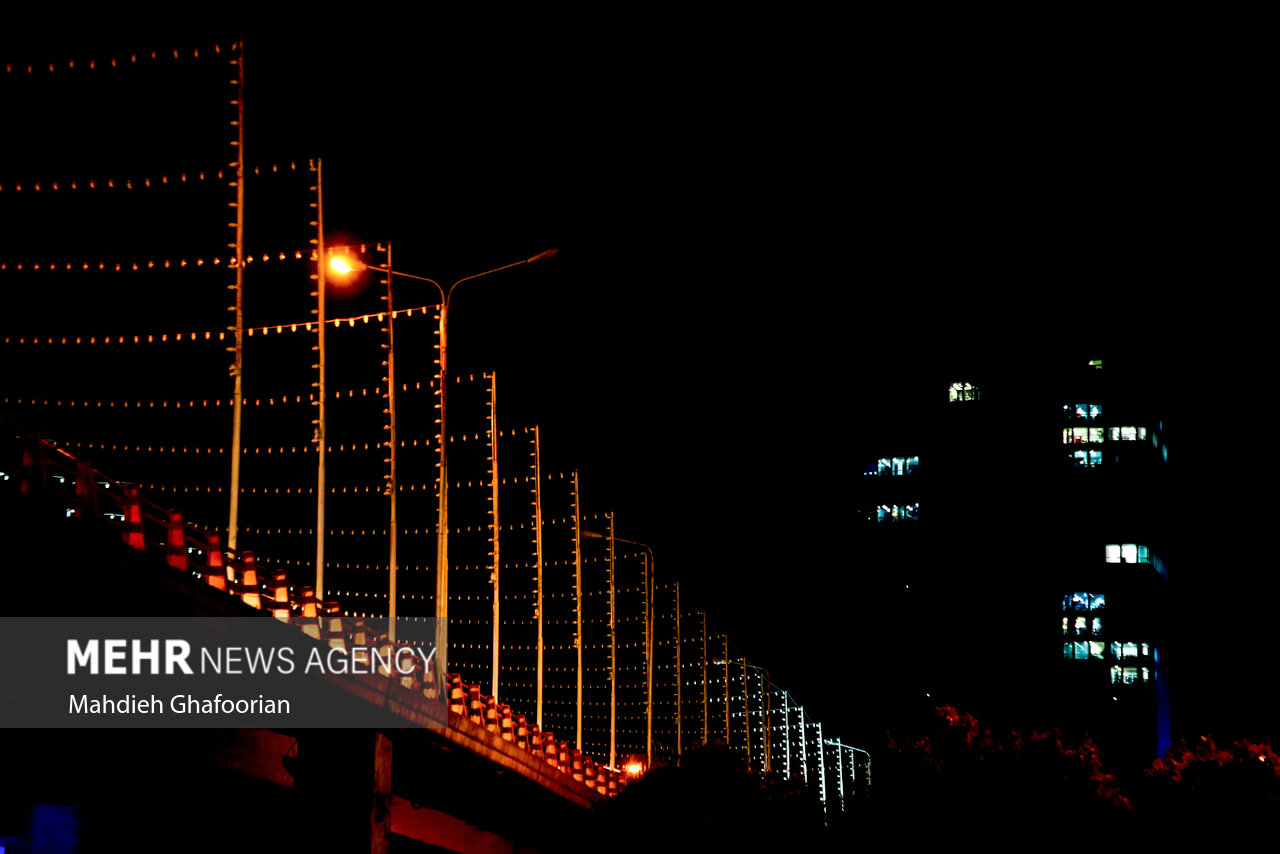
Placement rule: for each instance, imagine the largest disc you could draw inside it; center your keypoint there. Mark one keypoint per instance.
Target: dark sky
(763, 227)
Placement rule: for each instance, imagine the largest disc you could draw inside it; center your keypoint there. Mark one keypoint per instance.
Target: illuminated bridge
(311, 481)
(114, 551)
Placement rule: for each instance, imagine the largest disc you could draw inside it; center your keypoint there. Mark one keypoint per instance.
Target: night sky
(766, 238)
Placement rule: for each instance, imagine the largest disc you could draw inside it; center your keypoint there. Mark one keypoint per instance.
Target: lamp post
(345, 265)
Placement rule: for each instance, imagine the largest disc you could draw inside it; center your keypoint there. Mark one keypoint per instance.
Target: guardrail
(146, 526)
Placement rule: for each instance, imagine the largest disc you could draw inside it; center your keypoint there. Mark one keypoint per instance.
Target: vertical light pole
(577, 600)
(237, 368)
(648, 624)
(786, 735)
(613, 655)
(345, 265)
(764, 710)
(537, 550)
(804, 747)
(822, 766)
(706, 720)
(497, 536)
(746, 711)
(320, 440)
(854, 772)
(679, 683)
(728, 730)
(393, 484)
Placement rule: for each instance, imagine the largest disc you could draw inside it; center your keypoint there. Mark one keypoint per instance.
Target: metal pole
(706, 714)
(766, 720)
(613, 655)
(786, 735)
(728, 729)
(840, 772)
(648, 656)
(495, 528)
(442, 512)
(822, 766)
(537, 541)
(804, 747)
(393, 487)
(577, 600)
(746, 711)
(679, 683)
(320, 439)
(237, 369)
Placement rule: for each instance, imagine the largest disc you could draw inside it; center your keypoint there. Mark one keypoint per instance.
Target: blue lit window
(1082, 411)
(897, 512)
(1087, 459)
(1084, 602)
(893, 466)
(1082, 650)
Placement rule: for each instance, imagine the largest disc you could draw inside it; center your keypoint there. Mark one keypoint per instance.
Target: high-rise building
(1011, 534)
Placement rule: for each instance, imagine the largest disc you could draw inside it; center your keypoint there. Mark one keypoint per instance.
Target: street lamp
(345, 265)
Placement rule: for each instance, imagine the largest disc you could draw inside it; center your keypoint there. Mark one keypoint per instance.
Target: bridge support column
(343, 782)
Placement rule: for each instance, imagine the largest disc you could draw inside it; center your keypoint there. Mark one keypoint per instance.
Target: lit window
(1128, 434)
(1082, 435)
(1117, 673)
(1082, 411)
(1096, 648)
(1130, 675)
(1084, 602)
(1145, 650)
(1142, 432)
(1087, 459)
(894, 466)
(1146, 674)
(1095, 363)
(1096, 625)
(1128, 649)
(896, 512)
(1064, 625)
(963, 391)
(1128, 553)
(1081, 625)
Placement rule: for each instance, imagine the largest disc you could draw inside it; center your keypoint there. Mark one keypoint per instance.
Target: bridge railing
(146, 526)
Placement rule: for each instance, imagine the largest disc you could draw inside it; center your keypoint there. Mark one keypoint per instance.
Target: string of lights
(178, 179)
(166, 337)
(279, 400)
(72, 64)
